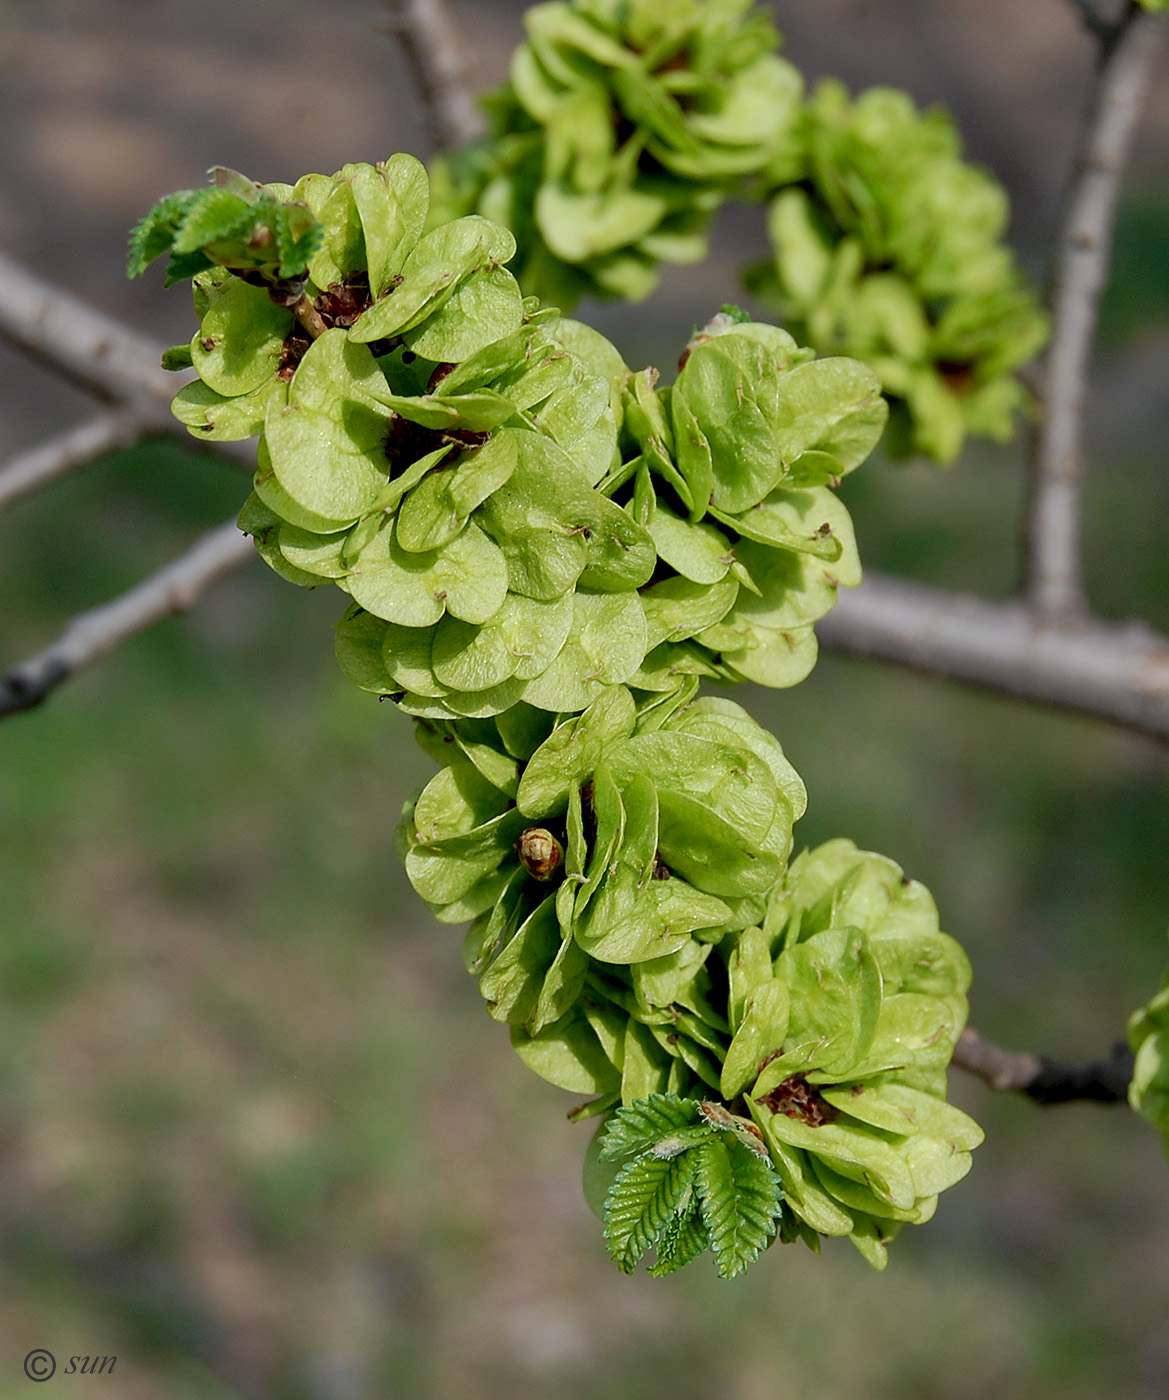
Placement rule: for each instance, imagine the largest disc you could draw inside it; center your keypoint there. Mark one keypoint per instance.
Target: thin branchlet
(1054, 565)
(1047, 1081)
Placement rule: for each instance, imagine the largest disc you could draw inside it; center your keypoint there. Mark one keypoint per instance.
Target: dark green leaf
(740, 1197)
(647, 1192)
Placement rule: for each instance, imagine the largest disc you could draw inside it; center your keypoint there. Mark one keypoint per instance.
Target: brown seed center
(540, 853)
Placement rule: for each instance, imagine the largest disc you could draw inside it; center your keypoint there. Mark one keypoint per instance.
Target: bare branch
(29, 471)
(1105, 1080)
(90, 635)
(1001, 1069)
(1118, 672)
(1054, 571)
(79, 342)
(1047, 1082)
(430, 43)
(102, 356)
(1093, 19)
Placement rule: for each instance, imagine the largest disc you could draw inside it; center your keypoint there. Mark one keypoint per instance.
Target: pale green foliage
(669, 949)
(890, 249)
(662, 1124)
(845, 1070)
(625, 126)
(545, 552)
(1148, 1033)
(732, 478)
(235, 223)
(673, 821)
(513, 513)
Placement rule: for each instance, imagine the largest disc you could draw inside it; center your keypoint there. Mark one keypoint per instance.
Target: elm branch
(102, 356)
(1092, 19)
(79, 342)
(1046, 1081)
(430, 43)
(30, 470)
(89, 636)
(1054, 567)
(1113, 671)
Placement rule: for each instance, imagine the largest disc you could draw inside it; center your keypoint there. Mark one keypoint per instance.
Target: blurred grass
(1138, 296)
(259, 1138)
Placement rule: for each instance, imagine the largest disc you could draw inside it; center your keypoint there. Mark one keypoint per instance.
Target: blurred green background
(257, 1136)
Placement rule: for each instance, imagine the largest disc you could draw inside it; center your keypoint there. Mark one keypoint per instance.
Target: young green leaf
(684, 1238)
(645, 1197)
(740, 1200)
(643, 1124)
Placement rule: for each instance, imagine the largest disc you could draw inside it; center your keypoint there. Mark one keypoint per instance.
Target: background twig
(429, 41)
(1054, 572)
(90, 635)
(1001, 1069)
(1118, 672)
(1046, 1081)
(29, 471)
(79, 342)
(106, 358)
(1093, 19)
